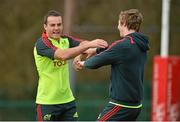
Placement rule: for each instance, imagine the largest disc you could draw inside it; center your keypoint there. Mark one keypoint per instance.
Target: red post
(166, 89)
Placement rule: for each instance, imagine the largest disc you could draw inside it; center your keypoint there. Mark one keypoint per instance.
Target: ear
(45, 26)
(123, 24)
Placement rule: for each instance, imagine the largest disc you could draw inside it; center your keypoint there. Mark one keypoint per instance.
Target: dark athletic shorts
(59, 112)
(113, 112)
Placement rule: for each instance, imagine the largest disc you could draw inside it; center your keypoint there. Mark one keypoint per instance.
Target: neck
(128, 32)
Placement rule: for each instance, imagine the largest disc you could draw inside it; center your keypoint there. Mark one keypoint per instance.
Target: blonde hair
(131, 18)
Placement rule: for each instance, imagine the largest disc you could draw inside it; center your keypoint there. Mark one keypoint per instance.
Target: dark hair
(132, 18)
(51, 13)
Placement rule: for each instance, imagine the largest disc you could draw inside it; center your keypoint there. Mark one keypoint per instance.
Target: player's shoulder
(39, 40)
(121, 42)
(39, 43)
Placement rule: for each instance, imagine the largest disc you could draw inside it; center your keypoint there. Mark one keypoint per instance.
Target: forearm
(70, 52)
(94, 62)
(91, 65)
(99, 60)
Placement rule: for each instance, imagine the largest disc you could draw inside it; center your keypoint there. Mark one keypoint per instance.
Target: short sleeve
(43, 50)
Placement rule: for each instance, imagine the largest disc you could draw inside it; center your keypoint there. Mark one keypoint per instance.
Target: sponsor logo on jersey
(57, 63)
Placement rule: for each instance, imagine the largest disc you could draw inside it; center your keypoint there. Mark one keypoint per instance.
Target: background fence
(90, 98)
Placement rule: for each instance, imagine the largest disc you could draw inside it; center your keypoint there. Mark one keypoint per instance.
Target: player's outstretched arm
(84, 56)
(73, 52)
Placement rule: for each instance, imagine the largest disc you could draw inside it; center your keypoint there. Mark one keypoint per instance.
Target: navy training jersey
(127, 58)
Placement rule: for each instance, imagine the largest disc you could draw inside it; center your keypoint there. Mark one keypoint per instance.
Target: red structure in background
(166, 89)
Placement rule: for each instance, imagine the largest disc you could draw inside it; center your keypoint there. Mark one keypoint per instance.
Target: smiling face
(54, 27)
